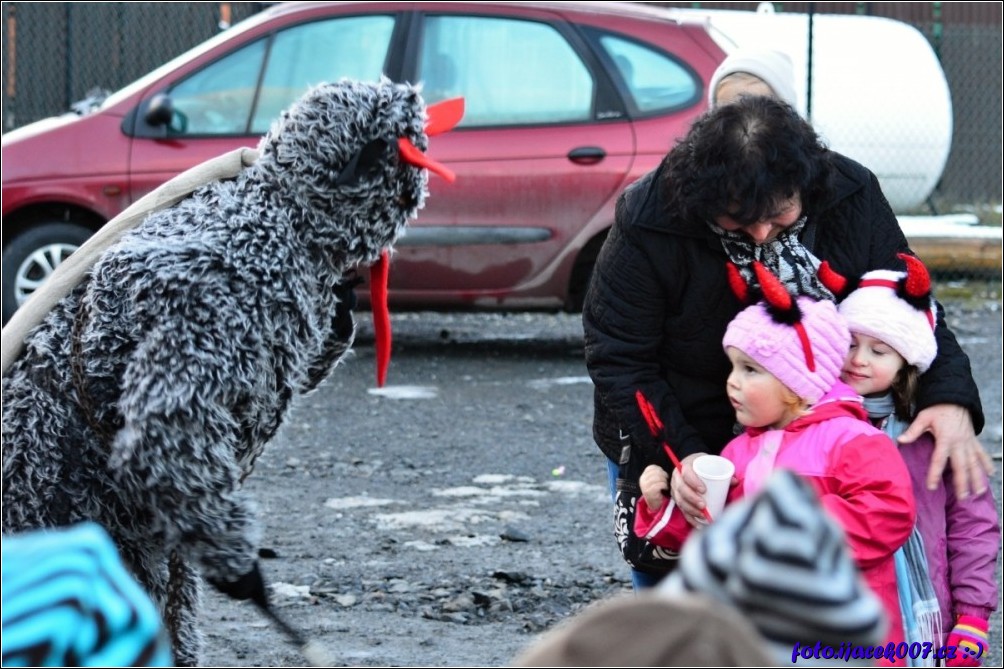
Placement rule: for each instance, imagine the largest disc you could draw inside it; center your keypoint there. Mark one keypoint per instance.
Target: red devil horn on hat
(737, 283)
(773, 290)
(834, 282)
(784, 309)
(915, 287)
(443, 116)
(918, 281)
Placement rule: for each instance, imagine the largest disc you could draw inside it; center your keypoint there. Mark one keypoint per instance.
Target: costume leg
(182, 608)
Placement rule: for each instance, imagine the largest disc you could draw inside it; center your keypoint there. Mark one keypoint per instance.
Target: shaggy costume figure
(146, 395)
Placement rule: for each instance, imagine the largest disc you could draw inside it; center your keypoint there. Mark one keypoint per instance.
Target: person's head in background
(750, 71)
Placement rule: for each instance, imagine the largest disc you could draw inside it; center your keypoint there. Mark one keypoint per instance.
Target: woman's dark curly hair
(744, 159)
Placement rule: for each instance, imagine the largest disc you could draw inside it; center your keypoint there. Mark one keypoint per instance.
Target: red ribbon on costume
(443, 116)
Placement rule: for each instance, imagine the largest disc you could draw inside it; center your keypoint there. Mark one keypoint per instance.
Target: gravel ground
(452, 518)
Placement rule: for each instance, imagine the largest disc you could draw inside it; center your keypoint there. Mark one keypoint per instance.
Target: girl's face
(760, 400)
(871, 365)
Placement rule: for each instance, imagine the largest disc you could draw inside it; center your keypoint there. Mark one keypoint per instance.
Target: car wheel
(32, 256)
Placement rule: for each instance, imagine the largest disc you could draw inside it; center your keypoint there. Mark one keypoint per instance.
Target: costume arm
(340, 336)
(871, 496)
(179, 445)
(623, 319)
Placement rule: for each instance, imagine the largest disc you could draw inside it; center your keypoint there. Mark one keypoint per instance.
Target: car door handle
(587, 155)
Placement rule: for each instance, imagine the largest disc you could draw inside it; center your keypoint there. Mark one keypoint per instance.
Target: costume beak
(381, 315)
(411, 155)
(443, 116)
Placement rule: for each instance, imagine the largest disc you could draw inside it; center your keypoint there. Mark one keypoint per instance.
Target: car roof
(624, 9)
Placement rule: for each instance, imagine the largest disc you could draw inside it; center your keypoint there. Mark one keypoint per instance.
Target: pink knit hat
(895, 307)
(802, 342)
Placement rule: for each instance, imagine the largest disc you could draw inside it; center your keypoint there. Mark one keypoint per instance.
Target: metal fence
(967, 37)
(56, 54)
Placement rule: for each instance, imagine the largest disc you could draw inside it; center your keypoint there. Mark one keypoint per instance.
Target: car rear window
(510, 71)
(655, 81)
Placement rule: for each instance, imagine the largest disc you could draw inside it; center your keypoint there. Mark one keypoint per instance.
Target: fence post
(68, 81)
(937, 28)
(808, 83)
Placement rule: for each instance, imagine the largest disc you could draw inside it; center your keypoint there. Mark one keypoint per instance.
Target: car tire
(32, 256)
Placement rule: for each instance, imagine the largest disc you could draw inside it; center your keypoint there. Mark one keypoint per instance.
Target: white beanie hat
(772, 67)
(877, 309)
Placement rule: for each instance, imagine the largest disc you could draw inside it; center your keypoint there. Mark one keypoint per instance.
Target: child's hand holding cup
(716, 472)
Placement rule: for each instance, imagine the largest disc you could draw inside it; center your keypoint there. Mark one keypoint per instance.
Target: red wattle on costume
(381, 315)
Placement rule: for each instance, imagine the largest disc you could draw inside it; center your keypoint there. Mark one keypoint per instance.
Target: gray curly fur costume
(146, 395)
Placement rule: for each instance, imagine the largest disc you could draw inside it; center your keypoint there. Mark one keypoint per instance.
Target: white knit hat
(876, 309)
(772, 67)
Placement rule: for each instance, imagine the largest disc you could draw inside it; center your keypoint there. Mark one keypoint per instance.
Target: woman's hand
(688, 490)
(954, 439)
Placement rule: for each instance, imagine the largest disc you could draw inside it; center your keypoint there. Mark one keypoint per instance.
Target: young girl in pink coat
(891, 321)
(786, 358)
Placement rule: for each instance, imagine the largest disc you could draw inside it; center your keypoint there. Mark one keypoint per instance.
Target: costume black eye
(366, 163)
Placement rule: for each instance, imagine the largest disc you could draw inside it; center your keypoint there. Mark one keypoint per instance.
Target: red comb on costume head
(443, 116)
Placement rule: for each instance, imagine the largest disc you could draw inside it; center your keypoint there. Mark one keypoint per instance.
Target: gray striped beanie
(783, 562)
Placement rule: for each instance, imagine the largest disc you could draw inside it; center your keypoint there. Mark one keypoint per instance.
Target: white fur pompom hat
(897, 308)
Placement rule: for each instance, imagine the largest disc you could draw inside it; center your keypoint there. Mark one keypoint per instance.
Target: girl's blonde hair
(797, 405)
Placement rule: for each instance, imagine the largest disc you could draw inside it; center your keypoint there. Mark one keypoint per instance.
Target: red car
(567, 103)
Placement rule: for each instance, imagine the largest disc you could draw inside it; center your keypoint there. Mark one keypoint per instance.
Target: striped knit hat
(784, 563)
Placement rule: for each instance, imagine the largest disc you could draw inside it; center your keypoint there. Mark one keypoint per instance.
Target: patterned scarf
(917, 599)
(784, 256)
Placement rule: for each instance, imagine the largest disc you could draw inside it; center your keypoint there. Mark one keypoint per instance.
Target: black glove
(345, 291)
(249, 586)
(346, 294)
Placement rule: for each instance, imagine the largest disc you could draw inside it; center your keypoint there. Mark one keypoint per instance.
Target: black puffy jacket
(658, 305)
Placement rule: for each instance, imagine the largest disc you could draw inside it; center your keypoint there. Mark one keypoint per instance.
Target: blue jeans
(639, 579)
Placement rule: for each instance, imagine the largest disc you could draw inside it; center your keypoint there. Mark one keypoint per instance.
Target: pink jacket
(857, 471)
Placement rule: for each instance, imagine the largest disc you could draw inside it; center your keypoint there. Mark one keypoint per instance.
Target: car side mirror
(160, 111)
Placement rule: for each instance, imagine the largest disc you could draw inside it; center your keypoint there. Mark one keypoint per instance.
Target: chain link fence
(57, 55)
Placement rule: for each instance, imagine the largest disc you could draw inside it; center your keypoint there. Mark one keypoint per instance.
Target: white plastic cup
(716, 472)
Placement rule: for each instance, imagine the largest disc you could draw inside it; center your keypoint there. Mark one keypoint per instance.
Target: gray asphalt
(451, 521)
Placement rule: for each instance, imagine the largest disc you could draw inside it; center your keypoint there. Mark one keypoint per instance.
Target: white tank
(879, 94)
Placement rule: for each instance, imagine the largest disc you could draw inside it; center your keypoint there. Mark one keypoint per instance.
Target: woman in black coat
(750, 181)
